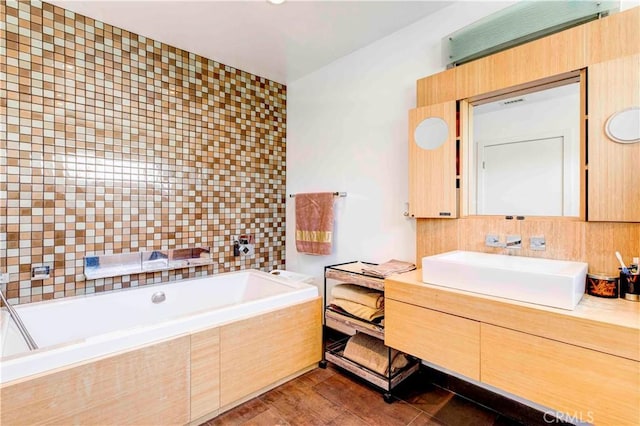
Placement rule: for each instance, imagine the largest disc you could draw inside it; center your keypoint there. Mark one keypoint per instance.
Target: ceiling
(280, 42)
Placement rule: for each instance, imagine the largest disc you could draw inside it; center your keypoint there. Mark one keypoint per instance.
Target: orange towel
(314, 222)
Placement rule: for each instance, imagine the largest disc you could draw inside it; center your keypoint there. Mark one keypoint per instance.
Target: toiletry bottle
(633, 280)
(622, 285)
(630, 285)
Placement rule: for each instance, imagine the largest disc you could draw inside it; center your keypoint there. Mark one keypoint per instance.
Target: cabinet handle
(445, 213)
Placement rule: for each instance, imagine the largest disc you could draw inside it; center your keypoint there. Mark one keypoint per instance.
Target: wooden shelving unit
(346, 326)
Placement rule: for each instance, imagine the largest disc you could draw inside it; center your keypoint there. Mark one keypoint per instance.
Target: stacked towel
(373, 354)
(358, 294)
(358, 310)
(391, 267)
(359, 301)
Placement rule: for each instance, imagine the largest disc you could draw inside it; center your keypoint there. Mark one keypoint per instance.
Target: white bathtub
(79, 328)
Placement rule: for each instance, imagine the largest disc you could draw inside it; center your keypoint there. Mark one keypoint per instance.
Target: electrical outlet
(40, 272)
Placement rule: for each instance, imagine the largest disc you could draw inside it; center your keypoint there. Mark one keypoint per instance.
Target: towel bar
(337, 194)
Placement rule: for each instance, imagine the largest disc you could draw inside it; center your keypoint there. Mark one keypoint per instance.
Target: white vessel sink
(555, 283)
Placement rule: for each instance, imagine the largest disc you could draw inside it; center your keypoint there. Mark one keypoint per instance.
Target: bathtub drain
(158, 297)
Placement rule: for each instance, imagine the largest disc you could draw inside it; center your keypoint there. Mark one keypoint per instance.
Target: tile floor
(331, 397)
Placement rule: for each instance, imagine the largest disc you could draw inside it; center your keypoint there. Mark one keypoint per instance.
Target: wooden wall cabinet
(613, 37)
(614, 168)
(540, 59)
(447, 340)
(589, 386)
(437, 88)
(609, 49)
(432, 172)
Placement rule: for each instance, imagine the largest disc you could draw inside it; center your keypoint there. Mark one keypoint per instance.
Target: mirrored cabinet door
(432, 161)
(613, 167)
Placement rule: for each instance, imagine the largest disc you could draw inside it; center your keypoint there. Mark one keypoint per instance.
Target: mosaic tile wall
(3, 142)
(118, 143)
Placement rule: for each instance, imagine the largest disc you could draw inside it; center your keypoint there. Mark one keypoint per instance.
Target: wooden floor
(331, 397)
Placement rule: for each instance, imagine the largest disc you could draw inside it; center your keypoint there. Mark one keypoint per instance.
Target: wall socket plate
(41, 272)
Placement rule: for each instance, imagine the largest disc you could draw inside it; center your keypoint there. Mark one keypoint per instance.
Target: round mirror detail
(431, 133)
(624, 126)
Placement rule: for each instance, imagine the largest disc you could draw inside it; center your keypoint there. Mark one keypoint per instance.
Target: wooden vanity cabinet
(432, 172)
(588, 385)
(614, 168)
(447, 340)
(584, 364)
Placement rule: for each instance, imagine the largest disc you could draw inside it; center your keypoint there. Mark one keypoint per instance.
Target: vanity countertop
(607, 325)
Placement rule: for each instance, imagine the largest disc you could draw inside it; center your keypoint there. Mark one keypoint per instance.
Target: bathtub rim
(151, 333)
(296, 284)
(279, 279)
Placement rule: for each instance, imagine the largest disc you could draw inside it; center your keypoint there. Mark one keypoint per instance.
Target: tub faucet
(513, 242)
(31, 344)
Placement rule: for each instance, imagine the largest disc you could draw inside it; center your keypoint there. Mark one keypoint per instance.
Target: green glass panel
(517, 24)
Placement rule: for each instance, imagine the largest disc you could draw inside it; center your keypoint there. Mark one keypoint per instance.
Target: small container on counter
(602, 285)
(630, 286)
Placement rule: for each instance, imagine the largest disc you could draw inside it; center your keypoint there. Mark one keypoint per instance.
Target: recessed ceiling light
(276, 1)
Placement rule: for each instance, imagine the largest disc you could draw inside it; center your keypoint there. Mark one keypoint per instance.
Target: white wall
(347, 131)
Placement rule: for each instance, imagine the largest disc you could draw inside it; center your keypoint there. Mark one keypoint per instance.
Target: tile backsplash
(112, 142)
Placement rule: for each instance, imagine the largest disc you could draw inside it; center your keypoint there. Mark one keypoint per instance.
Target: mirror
(431, 133)
(524, 155)
(624, 126)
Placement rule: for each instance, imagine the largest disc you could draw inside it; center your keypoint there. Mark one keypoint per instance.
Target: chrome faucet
(31, 344)
(513, 242)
